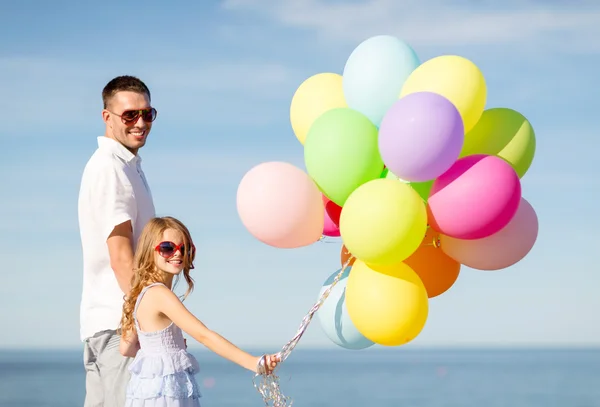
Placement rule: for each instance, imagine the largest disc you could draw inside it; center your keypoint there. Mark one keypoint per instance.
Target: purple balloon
(421, 136)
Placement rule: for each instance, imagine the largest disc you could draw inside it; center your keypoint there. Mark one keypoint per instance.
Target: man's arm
(120, 250)
(113, 204)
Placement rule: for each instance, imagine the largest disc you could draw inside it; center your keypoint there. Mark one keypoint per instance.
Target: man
(115, 203)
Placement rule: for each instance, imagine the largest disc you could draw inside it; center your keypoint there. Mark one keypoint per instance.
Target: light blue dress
(162, 373)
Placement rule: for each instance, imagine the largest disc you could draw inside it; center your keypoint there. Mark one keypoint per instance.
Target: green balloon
(341, 153)
(422, 188)
(505, 133)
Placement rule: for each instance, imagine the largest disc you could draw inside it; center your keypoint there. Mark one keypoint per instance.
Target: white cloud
(429, 23)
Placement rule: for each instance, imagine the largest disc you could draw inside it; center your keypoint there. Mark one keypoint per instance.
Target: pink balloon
(475, 198)
(280, 205)
(330, 228)
(501, 250)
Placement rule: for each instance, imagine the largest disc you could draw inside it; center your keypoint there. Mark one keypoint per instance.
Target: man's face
(131, 135)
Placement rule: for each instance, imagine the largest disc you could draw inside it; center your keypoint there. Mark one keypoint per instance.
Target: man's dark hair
(123, 83)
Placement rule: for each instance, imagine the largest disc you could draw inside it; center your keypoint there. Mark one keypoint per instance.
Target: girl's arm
(167, 302)
(129, 344)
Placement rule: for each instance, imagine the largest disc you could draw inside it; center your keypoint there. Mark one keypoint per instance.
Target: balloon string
(268, 387)
(328, 239)
(435, 242)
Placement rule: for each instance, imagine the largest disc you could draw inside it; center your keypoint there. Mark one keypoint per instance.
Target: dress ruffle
(163, 375)
(151, 365)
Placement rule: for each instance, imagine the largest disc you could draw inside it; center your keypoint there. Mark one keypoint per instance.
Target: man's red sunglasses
(130, 117)
(168, 249)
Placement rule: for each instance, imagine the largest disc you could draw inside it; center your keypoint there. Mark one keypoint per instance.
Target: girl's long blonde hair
(145, 271)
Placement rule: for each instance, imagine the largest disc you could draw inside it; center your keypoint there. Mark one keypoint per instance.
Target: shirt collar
(107, 143)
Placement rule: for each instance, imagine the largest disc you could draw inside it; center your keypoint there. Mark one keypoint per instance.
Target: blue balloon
(375, 73)
(334, 319)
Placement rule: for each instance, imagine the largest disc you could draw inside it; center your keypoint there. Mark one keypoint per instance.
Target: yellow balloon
(383, 221)
(387, 304)
(457, 79)
(315, 96)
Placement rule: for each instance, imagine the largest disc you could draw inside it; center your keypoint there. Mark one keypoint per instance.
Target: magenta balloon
(280, 205)
(330, 228)
(500, 250)
(475, 198)
(421, 136)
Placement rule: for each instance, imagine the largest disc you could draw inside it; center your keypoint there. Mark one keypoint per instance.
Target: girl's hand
(267, 363)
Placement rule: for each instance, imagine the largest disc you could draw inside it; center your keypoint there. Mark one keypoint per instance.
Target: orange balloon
(436, 269)
(345, 255)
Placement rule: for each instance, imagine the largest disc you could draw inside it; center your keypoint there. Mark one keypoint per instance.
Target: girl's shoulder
(158, 285)
(155, 289)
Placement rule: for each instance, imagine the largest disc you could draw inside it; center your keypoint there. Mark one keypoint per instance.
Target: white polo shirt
(113, 190)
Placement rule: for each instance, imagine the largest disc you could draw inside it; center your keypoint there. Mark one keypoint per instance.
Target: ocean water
(319, 378)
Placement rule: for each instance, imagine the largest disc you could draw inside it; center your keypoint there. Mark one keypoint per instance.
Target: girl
(162, 373)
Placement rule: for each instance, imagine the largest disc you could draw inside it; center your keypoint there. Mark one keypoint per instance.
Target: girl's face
(168, 256)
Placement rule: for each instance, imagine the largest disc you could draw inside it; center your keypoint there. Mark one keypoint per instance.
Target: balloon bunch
(406, 165)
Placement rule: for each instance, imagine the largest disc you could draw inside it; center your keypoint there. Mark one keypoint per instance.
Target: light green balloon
(505, 133)
(341, 153)
(422, 188)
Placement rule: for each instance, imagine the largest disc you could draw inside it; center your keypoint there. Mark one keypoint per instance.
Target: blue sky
(222, 75)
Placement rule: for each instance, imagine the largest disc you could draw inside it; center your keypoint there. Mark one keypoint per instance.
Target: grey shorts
(106, 371)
